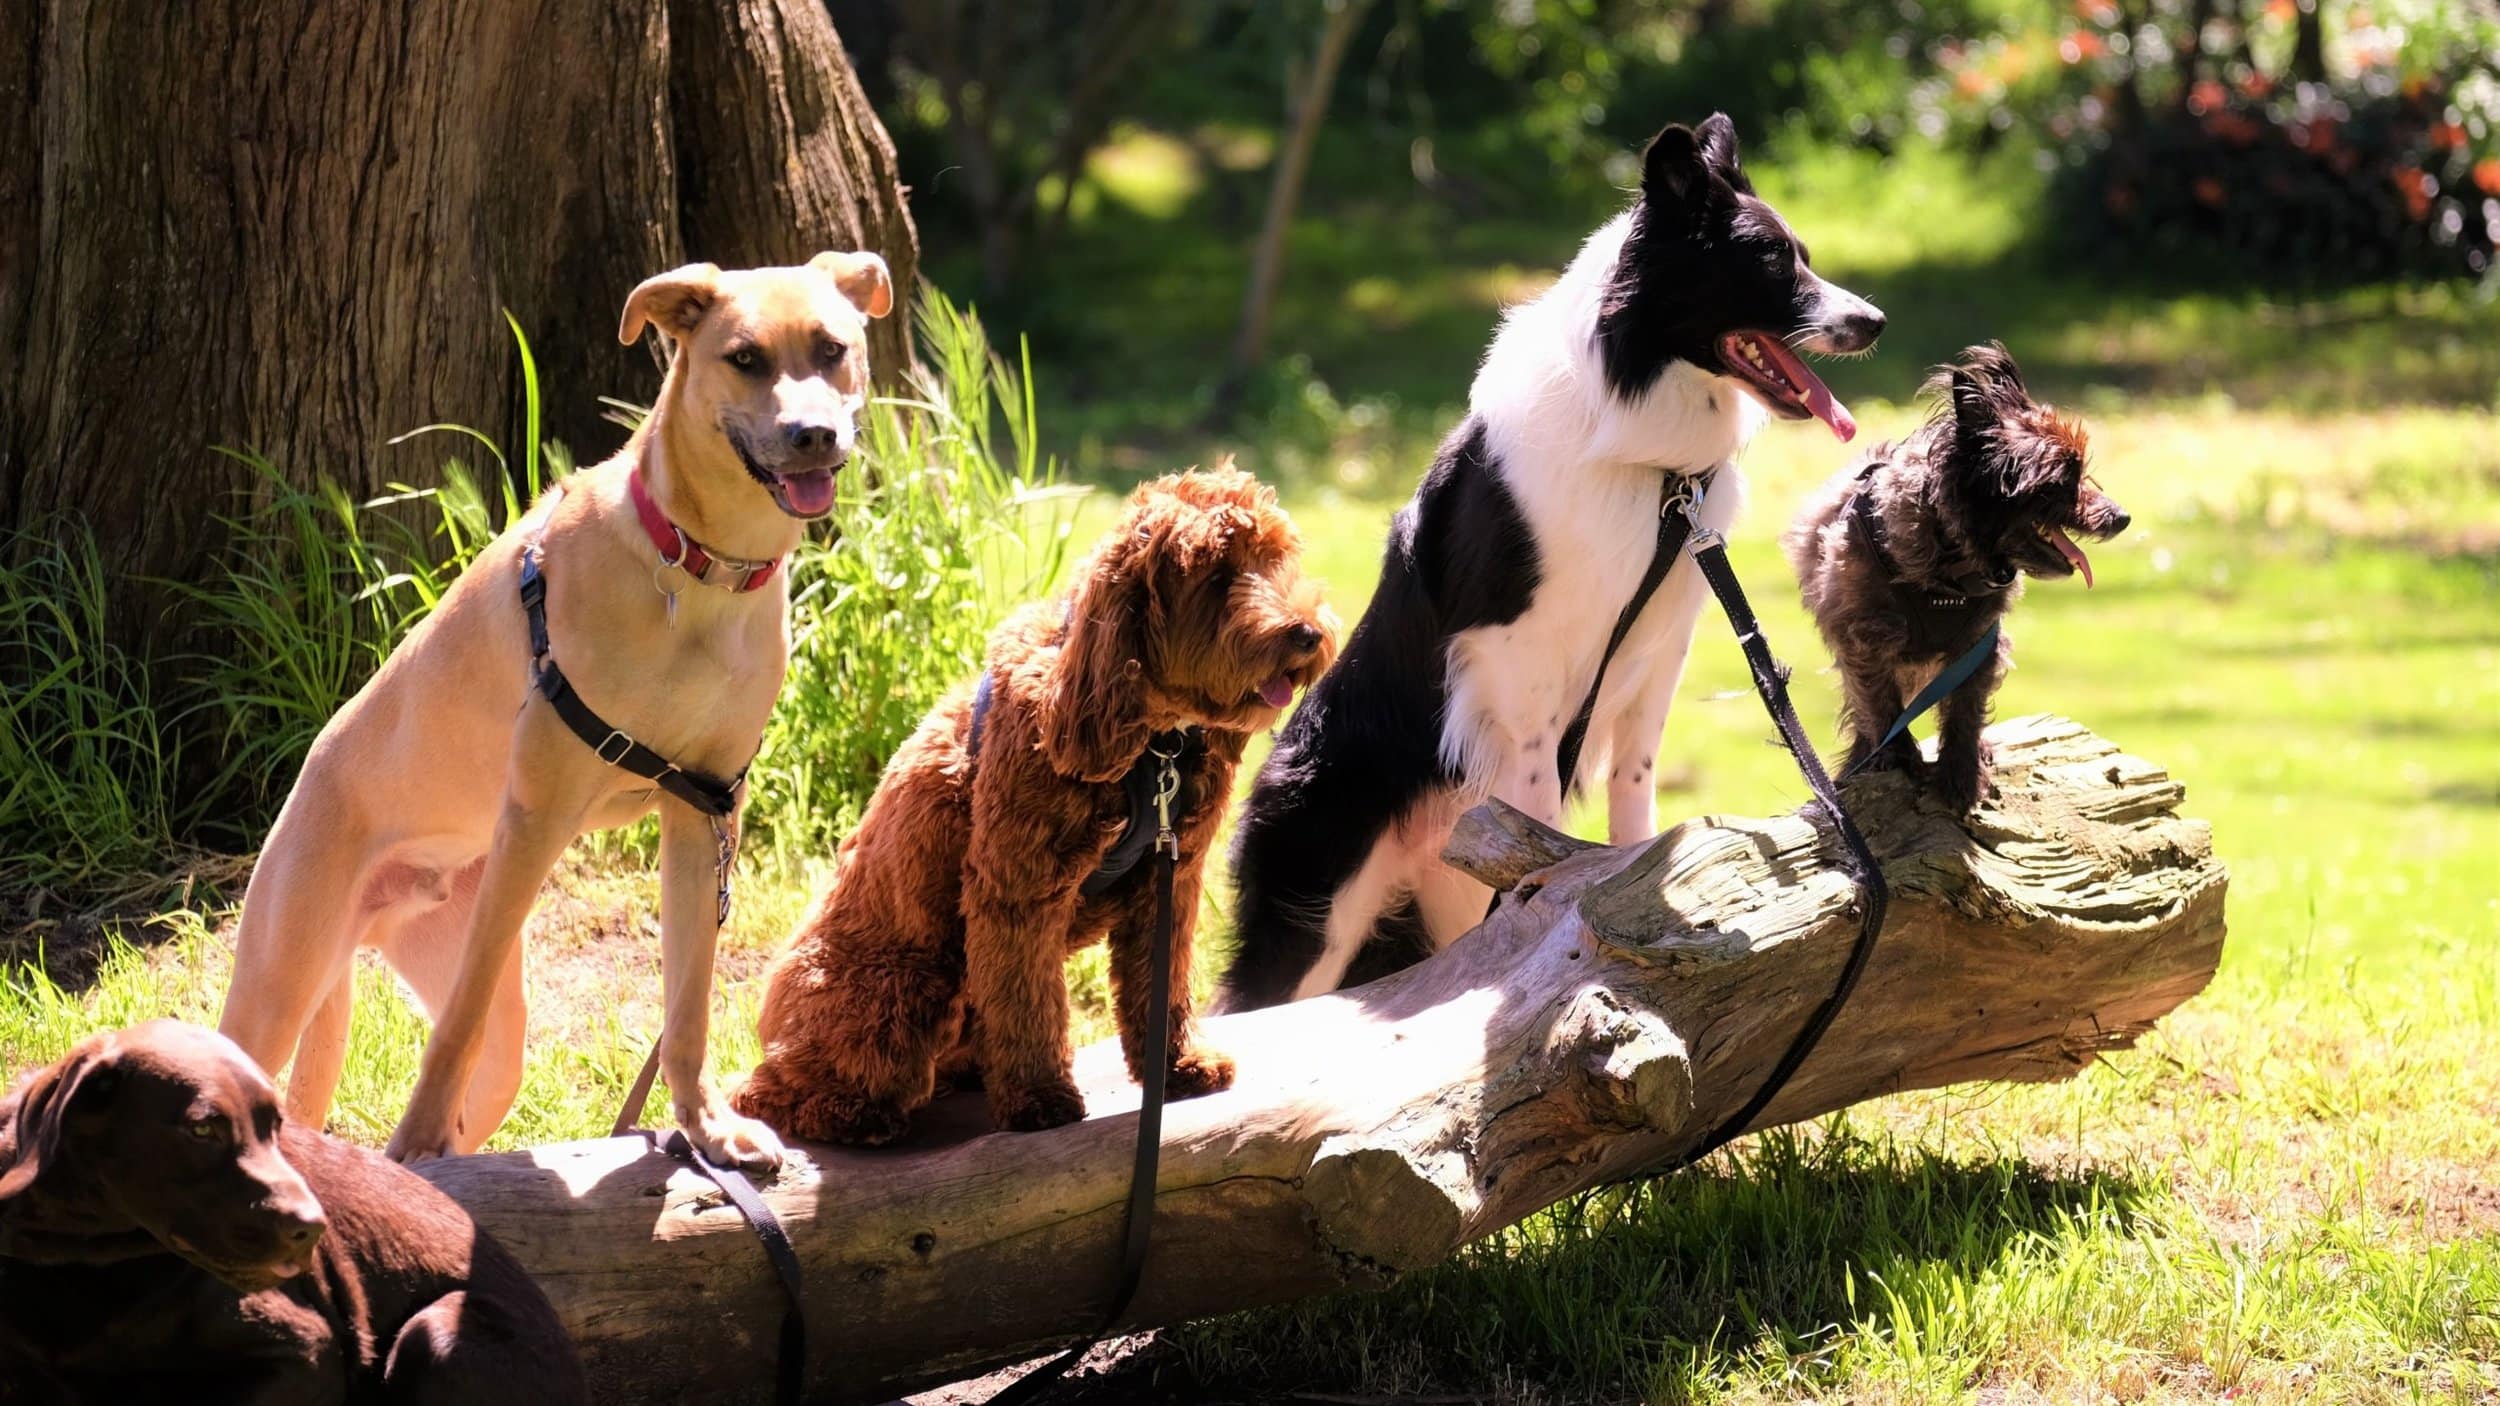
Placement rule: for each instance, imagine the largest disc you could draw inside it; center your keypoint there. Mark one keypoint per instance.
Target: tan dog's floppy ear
(31, 1140)
(862, 277)
(1094, 717)
(675, 300)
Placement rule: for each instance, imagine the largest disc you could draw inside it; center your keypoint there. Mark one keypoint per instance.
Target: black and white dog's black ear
(1718, 147)
(1672, 171)
(1682, 163)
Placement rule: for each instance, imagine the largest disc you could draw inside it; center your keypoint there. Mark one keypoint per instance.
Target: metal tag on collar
(659, 574)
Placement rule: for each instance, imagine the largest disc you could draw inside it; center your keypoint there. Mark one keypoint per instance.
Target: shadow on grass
(1653, 1292)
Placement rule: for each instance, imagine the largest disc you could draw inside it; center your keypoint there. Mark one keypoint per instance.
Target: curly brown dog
(166, 1236)
(1908, 555)
(940, 941)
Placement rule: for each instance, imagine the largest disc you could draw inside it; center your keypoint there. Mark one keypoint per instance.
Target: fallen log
(1618, 1005)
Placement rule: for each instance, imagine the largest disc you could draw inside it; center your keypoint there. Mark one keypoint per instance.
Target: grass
(2287, 1193)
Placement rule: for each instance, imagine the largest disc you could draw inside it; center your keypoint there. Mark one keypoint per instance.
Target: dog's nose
(1861, 327)
(1305, 637)
(2118, 519)
(300, 1234)
(814, 439)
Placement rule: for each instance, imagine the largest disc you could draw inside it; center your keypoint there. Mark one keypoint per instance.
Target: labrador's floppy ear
(862, 277)
(676, 301)
(38, 1115)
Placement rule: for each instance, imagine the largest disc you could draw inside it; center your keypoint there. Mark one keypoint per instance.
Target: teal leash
(1951, 677)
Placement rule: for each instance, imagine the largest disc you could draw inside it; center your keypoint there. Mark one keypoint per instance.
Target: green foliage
(954, 519)
(86, 762)
(314, 591)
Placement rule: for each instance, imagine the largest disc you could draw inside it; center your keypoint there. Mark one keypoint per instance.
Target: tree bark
(290, 225)
(777, 151)
(1615, 1007)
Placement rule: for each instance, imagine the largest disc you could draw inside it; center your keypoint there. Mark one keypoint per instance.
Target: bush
(2324, 188)
(947, 529)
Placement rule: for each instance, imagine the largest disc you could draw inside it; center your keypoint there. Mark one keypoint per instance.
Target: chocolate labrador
(166, 1236)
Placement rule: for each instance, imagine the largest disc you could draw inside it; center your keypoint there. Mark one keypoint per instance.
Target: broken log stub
(1609, 1013)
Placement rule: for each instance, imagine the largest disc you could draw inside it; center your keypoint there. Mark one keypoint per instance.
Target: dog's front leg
(539, 819)
(1015, 946)
(1961, 751)
(1192, 1068)
(1632, 762)
(689, 936)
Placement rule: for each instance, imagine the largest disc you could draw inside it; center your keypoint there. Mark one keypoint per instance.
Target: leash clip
(724, 854)
(1167, 786)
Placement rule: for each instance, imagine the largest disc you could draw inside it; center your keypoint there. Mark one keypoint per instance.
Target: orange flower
(2446, 136)
(2206, 96)
(2487, 174)
(2209, 192)
(2281, 11)
(2418, 188)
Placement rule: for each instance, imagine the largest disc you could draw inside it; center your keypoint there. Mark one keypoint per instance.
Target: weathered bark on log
(1613, 1010)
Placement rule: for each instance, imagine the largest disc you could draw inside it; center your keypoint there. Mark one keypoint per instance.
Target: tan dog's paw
(413, 1144)
(728, 1140)
(1031, 1110)
(1199, 1070)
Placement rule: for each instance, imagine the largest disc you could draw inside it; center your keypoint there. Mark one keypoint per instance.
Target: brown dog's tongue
(1278, 691)
(2074, 555)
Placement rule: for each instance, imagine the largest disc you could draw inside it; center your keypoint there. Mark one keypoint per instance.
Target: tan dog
(433, 806)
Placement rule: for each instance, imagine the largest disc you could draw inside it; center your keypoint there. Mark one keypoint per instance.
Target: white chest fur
(1584, 466)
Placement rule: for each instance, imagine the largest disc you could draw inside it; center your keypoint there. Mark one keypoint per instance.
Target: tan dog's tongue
(810, 492)
(1278, 691)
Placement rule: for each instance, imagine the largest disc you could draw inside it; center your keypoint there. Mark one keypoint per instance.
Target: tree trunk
(1612, 1010)
(2309, 42)
(289, 225)
(778, 154)
(1293, 162)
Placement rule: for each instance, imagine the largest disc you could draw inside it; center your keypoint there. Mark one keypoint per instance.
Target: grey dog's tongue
(2074, 555)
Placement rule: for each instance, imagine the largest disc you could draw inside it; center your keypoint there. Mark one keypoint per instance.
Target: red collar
(680, 550)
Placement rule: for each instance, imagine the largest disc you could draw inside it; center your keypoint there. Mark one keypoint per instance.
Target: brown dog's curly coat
(937, 948)
(1909, 554)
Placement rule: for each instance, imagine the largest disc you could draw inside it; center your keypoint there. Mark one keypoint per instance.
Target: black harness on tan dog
(717, 801)
(1153, 785)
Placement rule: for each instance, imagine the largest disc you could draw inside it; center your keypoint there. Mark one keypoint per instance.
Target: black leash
(1679, 498)
(716, 801)
(791, 1360)
(1770, 681)
(1147, 1163)
(1679, 503)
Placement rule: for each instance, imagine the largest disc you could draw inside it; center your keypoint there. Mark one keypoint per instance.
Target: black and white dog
(1656, 353)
